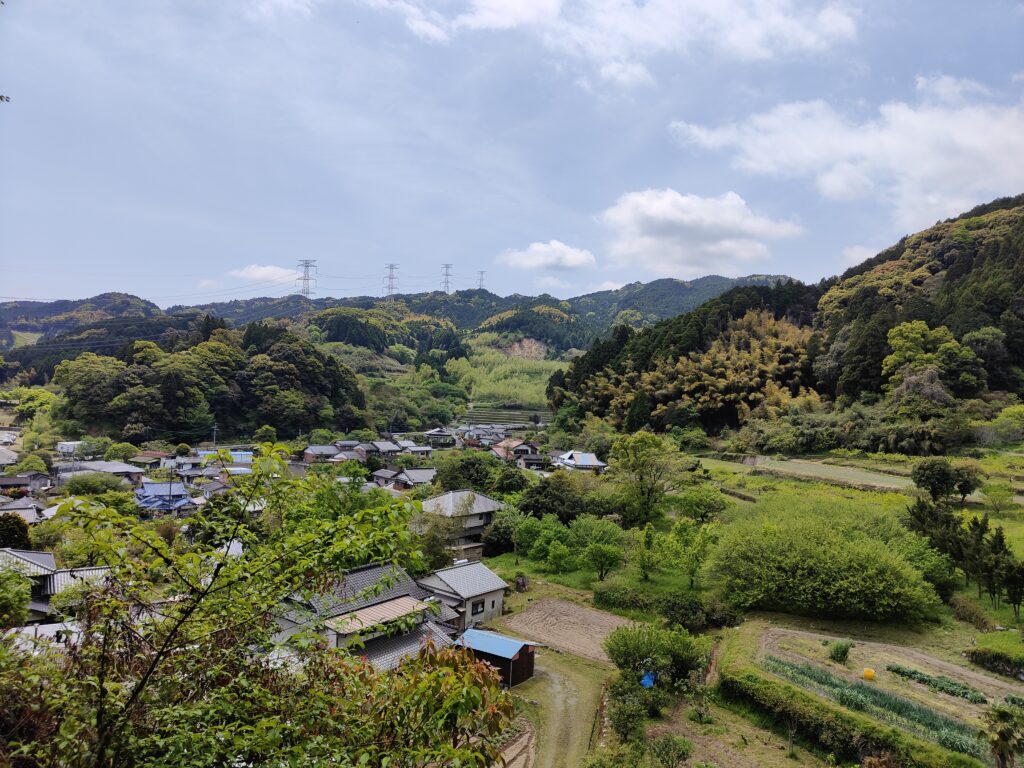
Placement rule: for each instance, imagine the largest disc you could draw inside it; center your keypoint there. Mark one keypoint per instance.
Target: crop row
(939, 683)
(881, 704)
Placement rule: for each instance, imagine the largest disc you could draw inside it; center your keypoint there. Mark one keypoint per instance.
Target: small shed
(513, 658)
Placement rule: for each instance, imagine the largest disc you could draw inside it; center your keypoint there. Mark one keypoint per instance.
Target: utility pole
(480, 279)
(215, 435)
(308, 279)
(446, 277)
(391, 281)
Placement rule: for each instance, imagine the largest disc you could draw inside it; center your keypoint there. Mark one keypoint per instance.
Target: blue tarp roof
(491, 642)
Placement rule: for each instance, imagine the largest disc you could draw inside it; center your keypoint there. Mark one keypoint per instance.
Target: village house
(8, 458)
(471, 589)
(126, 472)
(473, 511)
(26, 482)
(407, 479)
(580, 460)
(378, 605)
(314, 454)
(535, 461)
(439, 438)
(47, 579)
(164, 497)
(28, 509)
(511, 448)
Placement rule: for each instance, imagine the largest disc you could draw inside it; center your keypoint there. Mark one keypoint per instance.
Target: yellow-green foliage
(493, 377)
(757, 363)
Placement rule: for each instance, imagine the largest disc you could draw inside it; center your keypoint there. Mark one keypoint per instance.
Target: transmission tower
(480, 279)
(446, 277)
(308, 278)
(391, 280)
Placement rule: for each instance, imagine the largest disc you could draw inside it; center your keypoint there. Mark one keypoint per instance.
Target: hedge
(849, 735)
(625, 598)
(1001, 652)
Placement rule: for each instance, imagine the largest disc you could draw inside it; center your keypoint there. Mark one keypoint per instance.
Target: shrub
(814, 567)
(673, 653)
(627, 720)
(839, 651)
(559, 558)
(684, 609)
(967, 610)
(670, 751)
(624, 598)
(14, 531)
(723, 614)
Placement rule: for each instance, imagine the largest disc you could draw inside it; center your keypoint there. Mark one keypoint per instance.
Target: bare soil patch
(566, 626)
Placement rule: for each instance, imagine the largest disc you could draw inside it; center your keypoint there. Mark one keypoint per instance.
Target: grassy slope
(494, 378)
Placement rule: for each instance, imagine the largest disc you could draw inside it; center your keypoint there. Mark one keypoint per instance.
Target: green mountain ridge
(925, 339)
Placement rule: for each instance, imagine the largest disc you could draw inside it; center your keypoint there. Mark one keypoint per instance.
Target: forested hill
(937, 318)
(633, 304)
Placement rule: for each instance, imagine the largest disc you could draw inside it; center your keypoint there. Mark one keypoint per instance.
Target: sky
(192, 151)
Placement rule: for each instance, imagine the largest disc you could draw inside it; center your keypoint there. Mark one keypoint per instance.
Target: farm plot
(565, 626)
(808, 647)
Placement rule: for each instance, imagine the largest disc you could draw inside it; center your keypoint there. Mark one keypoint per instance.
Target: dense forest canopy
(890, 344)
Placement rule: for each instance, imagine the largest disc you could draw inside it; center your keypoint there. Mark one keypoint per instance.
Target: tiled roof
(582, 459)
(28, 562)
(321, 450)
(363, 587)
(420, 476)
(388, 652)
(156, 488)
(466, 580)
(461, 504)
(58, 581)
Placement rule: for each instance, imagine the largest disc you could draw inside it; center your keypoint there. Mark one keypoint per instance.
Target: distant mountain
(56, 316)
(422, 321)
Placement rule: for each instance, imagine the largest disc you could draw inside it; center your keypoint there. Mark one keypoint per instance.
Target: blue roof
(492, 643)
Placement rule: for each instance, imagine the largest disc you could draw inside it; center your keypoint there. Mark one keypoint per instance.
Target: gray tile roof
(7, 456)
(58, 581)
(388, 652)
(466, 580)
(321, 450)
(363, 587)
(419, 476)
(29, 562)
(461, 504)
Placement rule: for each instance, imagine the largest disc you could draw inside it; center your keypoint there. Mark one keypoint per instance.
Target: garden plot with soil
(565, 626)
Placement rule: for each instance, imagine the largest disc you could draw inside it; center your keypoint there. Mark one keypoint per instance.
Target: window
(492, 605)
(478, 607)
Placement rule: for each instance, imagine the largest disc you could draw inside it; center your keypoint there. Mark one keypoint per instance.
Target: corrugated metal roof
(494, 644)
(375, 615)
(466, 580)
(58, 581)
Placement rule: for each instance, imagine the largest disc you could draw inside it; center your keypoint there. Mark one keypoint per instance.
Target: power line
(391, 281)
(446, 278)
(480, 278)
(306, 280)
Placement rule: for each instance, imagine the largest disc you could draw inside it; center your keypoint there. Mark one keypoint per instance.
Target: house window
(478, 607)
(492, 605)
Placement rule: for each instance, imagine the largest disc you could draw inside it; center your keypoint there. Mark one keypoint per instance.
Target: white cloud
(265, 273)
(855, 254)
(614, 38)
(553, 254)
(269, 8)
(551, 283)
(680, 235)
(927, 160)
(950, 90)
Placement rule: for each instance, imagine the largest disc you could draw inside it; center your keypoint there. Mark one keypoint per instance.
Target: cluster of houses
(379, 612)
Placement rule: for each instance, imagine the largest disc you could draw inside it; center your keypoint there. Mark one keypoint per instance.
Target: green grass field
(25, 338)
